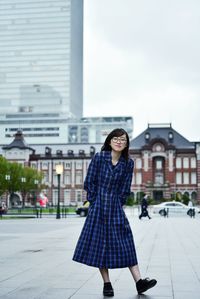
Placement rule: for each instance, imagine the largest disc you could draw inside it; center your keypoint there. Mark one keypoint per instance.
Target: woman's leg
(107, 288)
(142, 285)
(135, 271)
(105, 274)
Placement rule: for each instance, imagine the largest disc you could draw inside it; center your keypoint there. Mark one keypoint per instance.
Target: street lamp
(7, 178)
(23, 180)
(36, 182)
(59, 171)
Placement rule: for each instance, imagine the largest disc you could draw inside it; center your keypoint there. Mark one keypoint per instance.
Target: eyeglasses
(119, 139)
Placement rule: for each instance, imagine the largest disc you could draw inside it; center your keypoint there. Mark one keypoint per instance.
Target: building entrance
(157, 195)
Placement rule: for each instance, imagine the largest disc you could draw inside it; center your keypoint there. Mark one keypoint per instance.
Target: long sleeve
(90, 183)
(126, 184)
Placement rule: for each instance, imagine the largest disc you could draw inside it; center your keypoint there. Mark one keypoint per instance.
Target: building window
(159, 171)
(67, 165)
(84, 135)
(171, 136)
(67, 197)
(193, 178)
(178, 178)
(44, 165)
(178, 162)
(55, 197)
(67, 178)
(78, 196)
(45, 178)
(159, 164)
(185, 162)
(193, 162)
(79, 165)
(185, 178)
(138, 163)
(55, 179)
(194, 195)
(73, 134)
(79, 179)
(138, 178)
(159, 179)
(147, 136)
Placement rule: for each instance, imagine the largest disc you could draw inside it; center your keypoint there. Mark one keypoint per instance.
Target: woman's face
(118, 144)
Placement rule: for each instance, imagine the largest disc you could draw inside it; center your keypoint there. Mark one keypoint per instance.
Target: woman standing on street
(106, 240)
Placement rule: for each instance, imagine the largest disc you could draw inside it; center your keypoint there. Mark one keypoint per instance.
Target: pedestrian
(106, 240)
(191, 211)
(144, 206)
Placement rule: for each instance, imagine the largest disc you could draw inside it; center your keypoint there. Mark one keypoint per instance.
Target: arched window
(194, 195)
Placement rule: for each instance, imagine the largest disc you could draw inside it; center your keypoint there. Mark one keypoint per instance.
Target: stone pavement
(35, 260)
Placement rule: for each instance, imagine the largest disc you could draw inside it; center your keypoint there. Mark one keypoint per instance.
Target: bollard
(37, 213)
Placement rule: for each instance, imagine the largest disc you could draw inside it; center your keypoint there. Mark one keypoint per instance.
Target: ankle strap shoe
(145, 284)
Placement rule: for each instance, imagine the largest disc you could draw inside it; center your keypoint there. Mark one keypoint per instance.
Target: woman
(106, 239)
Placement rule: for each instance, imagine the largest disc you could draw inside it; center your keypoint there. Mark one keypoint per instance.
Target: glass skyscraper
(41, 62)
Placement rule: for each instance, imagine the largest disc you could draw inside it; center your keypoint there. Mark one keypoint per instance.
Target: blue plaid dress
(106, 240)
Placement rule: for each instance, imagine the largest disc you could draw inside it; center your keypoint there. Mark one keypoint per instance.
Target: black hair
(117, 133)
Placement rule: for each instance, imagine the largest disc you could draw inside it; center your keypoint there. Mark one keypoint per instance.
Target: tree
(30, 180)
(16, 178)
(3, 183)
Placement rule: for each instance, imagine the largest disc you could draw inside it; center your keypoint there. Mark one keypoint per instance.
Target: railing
(39, 212)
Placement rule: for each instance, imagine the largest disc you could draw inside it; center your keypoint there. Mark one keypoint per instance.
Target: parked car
(173, 207)
(83, 210)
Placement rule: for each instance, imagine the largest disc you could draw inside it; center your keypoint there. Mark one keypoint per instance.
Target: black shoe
(108, 290)
(144, 284)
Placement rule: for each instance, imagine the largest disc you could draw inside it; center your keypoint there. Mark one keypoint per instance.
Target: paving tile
(165, 252)
(186, 295)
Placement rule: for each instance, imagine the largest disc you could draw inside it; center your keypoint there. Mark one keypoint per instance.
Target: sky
(142, 59)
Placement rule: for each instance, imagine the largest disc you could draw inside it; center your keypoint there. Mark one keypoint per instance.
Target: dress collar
(107, 156)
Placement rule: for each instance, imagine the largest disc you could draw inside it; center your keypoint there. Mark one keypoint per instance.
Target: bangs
(117, 133)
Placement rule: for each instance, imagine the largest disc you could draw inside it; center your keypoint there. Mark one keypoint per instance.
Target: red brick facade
(165, 168)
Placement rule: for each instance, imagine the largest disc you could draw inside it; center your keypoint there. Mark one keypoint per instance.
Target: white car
(172, 207)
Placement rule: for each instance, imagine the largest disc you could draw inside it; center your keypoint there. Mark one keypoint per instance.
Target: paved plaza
(36, 260)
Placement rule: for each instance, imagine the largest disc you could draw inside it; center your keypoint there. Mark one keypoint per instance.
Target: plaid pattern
(106, 240)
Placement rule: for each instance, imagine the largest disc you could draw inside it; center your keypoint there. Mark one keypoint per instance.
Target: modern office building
(67, 131)
(41, 66)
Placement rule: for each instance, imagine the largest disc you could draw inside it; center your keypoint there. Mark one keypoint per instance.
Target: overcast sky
(142, 59)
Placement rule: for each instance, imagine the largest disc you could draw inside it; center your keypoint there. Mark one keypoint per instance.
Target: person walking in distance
(106, 240)
(144, 206)
(191, 211)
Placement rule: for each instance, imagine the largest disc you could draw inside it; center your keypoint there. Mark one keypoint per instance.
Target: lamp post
(36, 182)
(7, 178)
(23, 180)
(59, 171)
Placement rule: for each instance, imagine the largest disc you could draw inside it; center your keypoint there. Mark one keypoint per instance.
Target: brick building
(166, 165)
